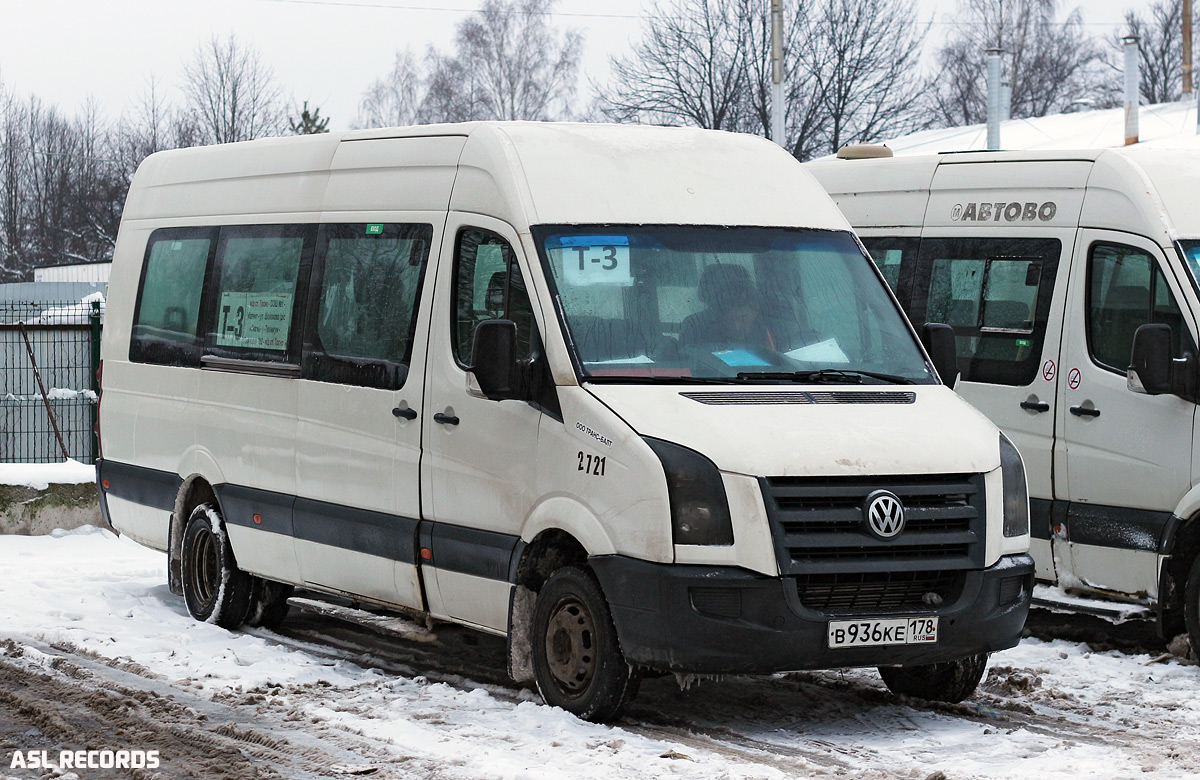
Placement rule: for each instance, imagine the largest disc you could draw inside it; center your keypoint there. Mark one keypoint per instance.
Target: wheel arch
(551, 549)
(194, 491)
(1181, 545)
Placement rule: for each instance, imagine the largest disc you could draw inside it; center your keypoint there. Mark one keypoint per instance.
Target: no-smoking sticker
(1073, 378)
(1048, 371)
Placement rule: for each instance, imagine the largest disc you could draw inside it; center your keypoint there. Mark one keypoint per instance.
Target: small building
(1165, 124)
(75, 272)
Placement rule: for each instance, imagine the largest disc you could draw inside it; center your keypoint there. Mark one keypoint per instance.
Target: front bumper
(727, 620)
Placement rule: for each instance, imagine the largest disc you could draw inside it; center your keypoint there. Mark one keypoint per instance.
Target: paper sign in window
(591, 260)
(254, 320)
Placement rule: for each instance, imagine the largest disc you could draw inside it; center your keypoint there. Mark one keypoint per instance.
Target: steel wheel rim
(204, 568)
(571, 652)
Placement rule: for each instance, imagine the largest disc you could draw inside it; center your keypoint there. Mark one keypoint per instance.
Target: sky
(324, 51)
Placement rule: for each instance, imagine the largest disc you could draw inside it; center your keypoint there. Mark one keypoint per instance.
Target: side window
(1126, 290)
(488, 285)
(895, 258)
(996, 294)
(364, 309)
(260, 271)
(166, 324)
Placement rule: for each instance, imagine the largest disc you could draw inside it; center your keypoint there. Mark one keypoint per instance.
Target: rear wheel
(577, 661)
(268, 603)
(214, 588)
(951, 681)
(1191, 605)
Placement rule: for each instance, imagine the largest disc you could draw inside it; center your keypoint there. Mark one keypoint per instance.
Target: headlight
(1016, 494)
(699, 508)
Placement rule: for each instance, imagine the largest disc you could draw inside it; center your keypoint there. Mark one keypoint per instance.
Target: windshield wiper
(661, 380)
(833, 376)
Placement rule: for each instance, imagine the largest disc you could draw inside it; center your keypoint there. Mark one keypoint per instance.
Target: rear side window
(1126, 290)
(166, 324)
(895, 258)
(996, 295)
(260, 270)
(364, 313)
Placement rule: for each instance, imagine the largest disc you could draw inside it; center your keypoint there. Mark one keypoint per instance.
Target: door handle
(1080, 411)
(445, 419)
(407, 413)
(1035, 406)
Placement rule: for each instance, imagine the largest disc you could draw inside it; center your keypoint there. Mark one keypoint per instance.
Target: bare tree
(1047, 63)
(850, 68)
(1160, 50)
(862, 56)
(13, 160)
(511, 63)
(690, 67)
(397, 98)
(508, 63)
(232, 93)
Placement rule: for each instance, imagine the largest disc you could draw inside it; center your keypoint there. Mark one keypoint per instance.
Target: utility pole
(1132, 90)
(777, 73)
(994, 91)
(1187, 49)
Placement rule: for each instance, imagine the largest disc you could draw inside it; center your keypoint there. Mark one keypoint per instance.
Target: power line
(573, 14)
(395, 7)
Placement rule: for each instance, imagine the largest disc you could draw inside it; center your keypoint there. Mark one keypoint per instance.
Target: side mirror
(1150, 369)
(939, 343)
(494, 358)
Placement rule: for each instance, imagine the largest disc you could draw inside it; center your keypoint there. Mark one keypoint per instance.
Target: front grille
(818, 527)
(878, 591)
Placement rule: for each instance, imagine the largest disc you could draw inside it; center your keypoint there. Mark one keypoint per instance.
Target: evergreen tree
(309, 123)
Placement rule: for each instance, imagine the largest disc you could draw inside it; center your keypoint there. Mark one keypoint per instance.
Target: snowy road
(96, 653)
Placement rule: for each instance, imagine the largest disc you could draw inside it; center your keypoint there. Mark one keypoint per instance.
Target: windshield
(740, 304)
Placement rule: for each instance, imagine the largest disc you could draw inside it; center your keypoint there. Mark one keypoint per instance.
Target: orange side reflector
(426, 554)
(258, 519)
(106, 485)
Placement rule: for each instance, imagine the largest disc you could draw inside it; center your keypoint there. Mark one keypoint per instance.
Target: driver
(732, 316)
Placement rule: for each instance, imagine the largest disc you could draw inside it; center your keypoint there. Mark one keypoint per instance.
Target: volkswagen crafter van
(1070, 279)
(614, 393)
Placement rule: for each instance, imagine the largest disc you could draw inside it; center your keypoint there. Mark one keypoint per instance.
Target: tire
(951, 681)
(577, 661)
(1191, 605)
(268, 603)
(214, 588)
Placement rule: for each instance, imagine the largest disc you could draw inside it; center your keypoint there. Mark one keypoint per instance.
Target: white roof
(1164, 124)
(523, 172)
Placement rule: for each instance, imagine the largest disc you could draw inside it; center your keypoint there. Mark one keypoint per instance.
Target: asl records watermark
(84, 759)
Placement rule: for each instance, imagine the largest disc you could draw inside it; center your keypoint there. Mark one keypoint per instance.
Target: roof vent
(863, 152)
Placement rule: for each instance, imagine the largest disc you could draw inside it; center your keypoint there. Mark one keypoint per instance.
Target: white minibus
(614, 393)
(1070, 279)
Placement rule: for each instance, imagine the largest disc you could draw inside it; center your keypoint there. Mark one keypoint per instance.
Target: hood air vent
(800, 397)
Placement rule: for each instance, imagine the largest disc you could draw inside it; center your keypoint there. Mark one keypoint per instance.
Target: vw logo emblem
(884, 514)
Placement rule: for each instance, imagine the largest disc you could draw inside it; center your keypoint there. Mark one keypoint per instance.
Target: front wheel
(577, 661)
(214, 588)
(1191, 605)
(951, 681)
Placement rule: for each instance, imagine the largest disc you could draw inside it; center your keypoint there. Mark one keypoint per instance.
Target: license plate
(892, 631)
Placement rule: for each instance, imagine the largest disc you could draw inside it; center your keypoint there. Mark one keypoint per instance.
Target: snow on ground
(1048, 709)
(39, 476)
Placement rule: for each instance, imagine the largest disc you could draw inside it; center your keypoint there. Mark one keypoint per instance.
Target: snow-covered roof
(1164, 124)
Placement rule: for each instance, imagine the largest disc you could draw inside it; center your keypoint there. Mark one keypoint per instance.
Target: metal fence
(49, 353)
